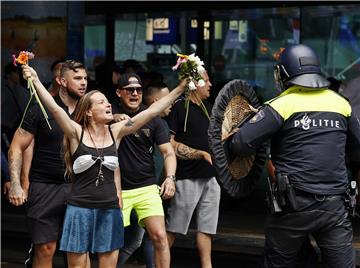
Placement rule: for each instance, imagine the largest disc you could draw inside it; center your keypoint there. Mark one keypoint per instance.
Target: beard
(73, 95)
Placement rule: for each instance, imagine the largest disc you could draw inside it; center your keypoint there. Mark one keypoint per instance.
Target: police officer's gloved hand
(230, 156)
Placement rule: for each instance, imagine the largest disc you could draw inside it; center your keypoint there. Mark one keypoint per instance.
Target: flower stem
(27, 107)
(33, 92)
(204, 110)
(187, 112)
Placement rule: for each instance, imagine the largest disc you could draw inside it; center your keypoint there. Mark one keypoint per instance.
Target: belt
(319, 197)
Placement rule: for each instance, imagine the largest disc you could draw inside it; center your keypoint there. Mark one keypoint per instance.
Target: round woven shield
(233, 106)
(235, 113)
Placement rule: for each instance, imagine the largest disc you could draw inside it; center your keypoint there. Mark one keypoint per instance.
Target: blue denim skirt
(92, 230)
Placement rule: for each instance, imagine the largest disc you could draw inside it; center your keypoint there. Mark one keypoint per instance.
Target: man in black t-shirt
(48, 189)
(154, 92)
(197, 191)
(138, 180)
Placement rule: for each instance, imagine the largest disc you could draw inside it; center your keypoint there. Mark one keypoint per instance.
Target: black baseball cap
(124, 81)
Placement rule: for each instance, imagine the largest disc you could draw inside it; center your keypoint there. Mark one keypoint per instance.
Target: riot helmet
(299, 65)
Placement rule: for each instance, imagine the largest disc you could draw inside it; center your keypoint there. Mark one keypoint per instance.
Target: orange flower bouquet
(23, 58)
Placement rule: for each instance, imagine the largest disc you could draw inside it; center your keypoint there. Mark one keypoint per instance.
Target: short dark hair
(53, 65)
(152, 89)
(71, 65)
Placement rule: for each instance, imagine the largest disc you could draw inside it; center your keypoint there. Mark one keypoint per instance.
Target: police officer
(309, 126)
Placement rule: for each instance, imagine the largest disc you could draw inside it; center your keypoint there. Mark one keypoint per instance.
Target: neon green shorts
(146, 202)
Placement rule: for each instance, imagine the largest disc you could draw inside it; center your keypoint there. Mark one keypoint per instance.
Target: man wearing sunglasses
(138, 180)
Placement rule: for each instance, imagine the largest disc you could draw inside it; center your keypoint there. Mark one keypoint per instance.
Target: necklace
(100, 176)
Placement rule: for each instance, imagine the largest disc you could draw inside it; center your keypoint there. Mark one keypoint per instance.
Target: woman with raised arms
(93, 220)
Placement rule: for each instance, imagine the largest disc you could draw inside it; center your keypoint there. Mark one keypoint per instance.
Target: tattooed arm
(20, 142)
(185, 152)
(25, 171)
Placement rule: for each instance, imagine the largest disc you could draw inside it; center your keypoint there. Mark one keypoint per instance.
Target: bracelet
(171, 177)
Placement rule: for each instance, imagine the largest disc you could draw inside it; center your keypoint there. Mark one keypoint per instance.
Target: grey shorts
(200, 197)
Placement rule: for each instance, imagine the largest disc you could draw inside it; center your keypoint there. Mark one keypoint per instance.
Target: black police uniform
(309, 129)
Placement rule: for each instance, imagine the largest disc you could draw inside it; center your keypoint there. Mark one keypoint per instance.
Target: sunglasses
(131, 90)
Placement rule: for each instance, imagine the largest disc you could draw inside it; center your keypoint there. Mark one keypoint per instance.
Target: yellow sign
(161, 23)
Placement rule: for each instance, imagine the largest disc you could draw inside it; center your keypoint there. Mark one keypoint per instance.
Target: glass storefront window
(151, 39)
(335, 35)
(130, 40)
(94, 43)
(245, 45)
(239, 43)
(94, 47)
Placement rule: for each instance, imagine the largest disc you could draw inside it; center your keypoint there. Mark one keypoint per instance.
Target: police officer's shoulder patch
(257, 117)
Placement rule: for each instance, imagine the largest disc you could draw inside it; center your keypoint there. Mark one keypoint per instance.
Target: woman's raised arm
(69, 126)
(131, 125)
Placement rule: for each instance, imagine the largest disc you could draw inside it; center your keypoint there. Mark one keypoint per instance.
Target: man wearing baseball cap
(138, 180)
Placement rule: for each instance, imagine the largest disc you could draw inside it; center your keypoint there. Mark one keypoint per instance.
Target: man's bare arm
(21, 141)
(26, 166)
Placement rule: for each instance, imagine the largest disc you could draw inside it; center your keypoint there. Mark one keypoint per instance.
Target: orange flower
(23, 58)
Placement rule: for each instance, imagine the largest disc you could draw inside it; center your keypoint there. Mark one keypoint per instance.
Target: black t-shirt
(136, 152)
(195, 137)
(47, 165)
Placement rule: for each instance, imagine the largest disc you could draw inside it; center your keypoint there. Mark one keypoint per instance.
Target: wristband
(171, 177)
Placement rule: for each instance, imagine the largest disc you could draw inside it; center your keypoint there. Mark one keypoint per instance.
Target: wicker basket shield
(233, 106)
(235, 113)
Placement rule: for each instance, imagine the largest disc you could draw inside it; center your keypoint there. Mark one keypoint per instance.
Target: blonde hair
(80, 116)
